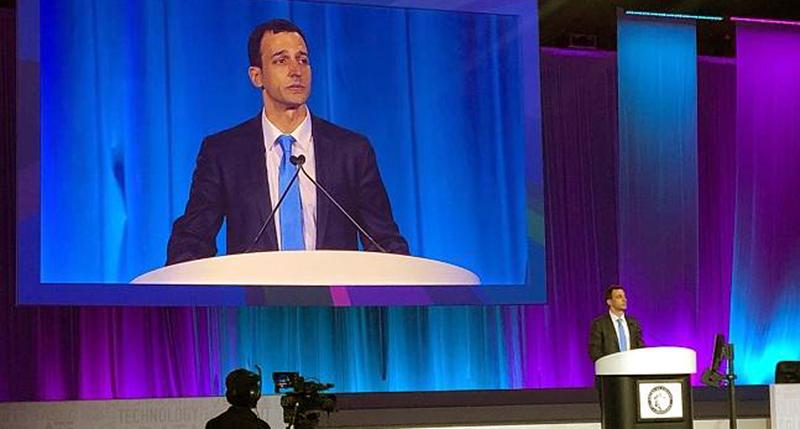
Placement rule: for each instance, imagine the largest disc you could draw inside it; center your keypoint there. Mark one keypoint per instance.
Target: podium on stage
(647, 388)
(312, 268)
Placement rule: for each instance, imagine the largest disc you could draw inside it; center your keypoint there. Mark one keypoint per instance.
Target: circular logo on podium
(659, 400)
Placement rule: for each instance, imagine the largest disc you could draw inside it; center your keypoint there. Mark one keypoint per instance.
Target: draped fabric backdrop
(716, 172)
(107, 352)
(579, 99)
(94, 353)
(766, 277)
(658, 188)
(7, 172)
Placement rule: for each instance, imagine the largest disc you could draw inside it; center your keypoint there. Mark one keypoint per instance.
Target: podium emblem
(660, 400)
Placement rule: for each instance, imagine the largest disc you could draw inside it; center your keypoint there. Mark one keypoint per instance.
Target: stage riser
(186, 413)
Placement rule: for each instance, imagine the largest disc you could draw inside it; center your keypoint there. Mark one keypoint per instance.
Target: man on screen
(614, 331)
(242, 171)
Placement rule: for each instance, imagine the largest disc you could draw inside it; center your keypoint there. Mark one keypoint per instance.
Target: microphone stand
(727, 380)
(730, 377)
(275, 209)
(299, 161)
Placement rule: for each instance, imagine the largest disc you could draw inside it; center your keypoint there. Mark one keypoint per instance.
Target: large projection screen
(115, 100)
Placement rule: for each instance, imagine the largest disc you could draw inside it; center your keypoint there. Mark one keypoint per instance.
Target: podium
(312, 268)
(646, 388)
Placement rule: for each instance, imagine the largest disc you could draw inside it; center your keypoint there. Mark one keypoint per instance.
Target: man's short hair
(243, 388)
(274, 26)
(610, 291)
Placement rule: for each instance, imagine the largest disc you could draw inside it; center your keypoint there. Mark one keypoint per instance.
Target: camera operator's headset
(242, 385)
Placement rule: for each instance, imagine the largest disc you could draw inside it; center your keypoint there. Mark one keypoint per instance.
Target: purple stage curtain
(580, 150)
(8, 343)
(716, 170)
(106, 352)
(92, 353)
(579, 104)
(765, 296)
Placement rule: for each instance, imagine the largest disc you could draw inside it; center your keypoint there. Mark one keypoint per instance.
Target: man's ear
(608, 302)
(256, 78)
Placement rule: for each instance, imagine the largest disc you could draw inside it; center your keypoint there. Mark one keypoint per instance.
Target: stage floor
(516, 409)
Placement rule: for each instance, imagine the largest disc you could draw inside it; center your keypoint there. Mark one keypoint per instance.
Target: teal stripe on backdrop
(658, 181)
(375, 349)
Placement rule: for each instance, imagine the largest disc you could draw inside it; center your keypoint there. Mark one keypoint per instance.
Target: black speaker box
(787, 371)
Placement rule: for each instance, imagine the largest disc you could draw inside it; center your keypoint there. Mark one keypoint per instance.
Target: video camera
(302, 400)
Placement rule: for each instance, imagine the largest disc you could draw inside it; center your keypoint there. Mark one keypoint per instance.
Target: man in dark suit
(242, 171)
(614, 331)
(242, 390)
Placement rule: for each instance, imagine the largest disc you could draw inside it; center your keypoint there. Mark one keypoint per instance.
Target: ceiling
(593, 22)
(577, 22)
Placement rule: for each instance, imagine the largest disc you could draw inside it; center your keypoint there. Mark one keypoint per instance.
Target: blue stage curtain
(765, 295)
(658, 179)
(130, 89)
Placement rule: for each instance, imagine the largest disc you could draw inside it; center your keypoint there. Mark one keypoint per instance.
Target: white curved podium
(312, 268)
(651, 361)
(646, 388)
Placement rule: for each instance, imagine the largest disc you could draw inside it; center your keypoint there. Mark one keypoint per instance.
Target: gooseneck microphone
(277, 206)
(299, 161)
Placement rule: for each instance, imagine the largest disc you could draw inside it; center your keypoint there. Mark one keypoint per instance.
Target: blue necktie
(291, 211)
(623, 340)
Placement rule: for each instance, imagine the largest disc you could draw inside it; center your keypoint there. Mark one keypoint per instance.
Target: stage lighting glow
(674, 15)
(765, 21)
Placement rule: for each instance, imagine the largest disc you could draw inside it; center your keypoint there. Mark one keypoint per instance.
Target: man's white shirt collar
(301, 134)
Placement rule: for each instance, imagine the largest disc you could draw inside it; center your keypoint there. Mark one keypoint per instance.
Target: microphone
(292, 159)
(299, 161)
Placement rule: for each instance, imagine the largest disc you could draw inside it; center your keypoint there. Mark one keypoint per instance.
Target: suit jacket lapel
(610, 325)
(255, 144)
(322, 163)
(631, 325)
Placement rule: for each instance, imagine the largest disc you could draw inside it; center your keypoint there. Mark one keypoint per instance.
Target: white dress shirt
(303, 145)
(627, 333)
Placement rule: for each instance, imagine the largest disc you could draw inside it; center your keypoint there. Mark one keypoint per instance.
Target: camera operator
(242, 390)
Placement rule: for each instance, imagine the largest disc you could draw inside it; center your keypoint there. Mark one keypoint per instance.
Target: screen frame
(30, 290)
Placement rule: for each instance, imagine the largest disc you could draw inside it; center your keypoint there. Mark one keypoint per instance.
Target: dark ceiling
(586, 22)
(593, 22)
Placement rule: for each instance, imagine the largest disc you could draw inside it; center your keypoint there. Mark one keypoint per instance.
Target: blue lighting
(674, 15)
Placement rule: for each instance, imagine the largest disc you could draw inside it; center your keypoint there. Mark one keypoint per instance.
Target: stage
(551, 161)
(517, 409)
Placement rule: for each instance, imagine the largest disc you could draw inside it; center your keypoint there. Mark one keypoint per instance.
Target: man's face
(285, 73)
(618, 303)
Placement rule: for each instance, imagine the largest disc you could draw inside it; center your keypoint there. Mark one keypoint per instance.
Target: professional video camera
(302, 401)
